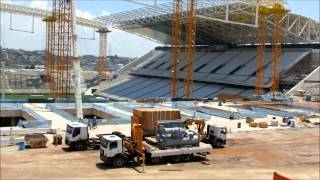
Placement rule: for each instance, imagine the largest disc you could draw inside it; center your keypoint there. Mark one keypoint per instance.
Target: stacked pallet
(149, 117)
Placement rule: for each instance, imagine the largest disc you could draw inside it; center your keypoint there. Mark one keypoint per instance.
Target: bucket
(285, 119)
(174, 104)
(22, 146)
(239, 124)
(308, 98)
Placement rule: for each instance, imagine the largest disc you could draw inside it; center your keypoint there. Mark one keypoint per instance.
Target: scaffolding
(102, 63)
(190, 49)
(58, 57)
(278, 10)
(176, 40)
(263, 12)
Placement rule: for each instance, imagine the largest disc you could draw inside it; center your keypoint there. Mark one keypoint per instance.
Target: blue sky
(122, 43)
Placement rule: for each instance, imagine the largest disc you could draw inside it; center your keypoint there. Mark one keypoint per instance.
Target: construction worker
(94, 122)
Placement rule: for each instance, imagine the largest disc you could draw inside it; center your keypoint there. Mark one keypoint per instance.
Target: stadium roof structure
(218, 22)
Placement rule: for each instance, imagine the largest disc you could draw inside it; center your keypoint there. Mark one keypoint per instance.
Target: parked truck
(119, 150)
(77, 137)
(215, 135)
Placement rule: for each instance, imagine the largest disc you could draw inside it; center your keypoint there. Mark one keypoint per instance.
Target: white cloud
(105, 13)
(7, 1)
(40, 4)
(84, 14)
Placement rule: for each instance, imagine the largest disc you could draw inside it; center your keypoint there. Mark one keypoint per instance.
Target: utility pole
(76, 64)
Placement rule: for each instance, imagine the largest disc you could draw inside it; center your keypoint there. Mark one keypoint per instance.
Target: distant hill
(19, 58)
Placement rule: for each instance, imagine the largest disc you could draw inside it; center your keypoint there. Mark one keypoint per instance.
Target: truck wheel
(156, 160)
(118, 162)
(218, 144)
(187, 157)
(80, 146)
(176, 158)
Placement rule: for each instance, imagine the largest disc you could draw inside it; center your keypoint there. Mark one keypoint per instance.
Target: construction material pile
(172, 134)
(36, 140)
(149, 117)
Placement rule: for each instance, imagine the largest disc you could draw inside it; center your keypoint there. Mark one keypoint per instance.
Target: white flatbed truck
(112, 150)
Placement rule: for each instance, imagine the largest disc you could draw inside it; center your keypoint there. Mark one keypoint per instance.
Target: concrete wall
(91, 111)
(9, 118)
(310, 84)
(10, 113)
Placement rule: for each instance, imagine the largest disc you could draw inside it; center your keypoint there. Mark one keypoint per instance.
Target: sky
(119, 43)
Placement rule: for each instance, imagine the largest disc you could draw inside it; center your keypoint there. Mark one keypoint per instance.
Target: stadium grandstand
(226, 52)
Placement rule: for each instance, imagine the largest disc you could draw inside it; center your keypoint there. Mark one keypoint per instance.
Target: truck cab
(77, 135)
(111, 150)
(216, 135)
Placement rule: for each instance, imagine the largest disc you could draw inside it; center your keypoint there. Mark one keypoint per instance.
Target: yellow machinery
(200, 125)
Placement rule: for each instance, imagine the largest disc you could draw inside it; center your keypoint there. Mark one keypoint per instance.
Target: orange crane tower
(278, 10)
(176, 40)
(59, 59)
(102, 71)
(48, 62)
(190, 47)
(263, 11)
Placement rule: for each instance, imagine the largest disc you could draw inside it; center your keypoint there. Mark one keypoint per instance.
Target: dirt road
(248, 155)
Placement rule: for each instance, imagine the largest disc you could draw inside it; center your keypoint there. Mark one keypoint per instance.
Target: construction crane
(190, 47)
(48, 61)
(61, 52)
(102, 71)
(59, 59)
(263, 12)
(176, 40)
(278, 10)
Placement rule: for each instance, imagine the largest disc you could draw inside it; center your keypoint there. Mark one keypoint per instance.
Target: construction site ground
(292, 152)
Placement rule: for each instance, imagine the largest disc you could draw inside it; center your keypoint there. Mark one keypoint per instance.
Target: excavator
(215, 135)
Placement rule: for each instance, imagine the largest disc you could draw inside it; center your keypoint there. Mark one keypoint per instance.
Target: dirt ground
(248, 155)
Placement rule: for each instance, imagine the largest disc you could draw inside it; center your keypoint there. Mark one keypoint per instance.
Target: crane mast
(175, 51)
(261, 49)
(278, 11)
(190, 47)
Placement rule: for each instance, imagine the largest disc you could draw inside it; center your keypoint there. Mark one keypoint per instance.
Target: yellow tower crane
(190, 47)
(278, 10)
(263, 11)
(176, 40)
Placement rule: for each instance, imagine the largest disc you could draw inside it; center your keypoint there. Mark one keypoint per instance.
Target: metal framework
(102, 63)
(59, 58)
(278, 10)
(18, 9)
(48, 47)
(190, 47)
(261, 50)
(223, 21)
(176, 43)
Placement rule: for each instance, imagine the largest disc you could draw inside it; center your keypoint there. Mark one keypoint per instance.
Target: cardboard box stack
(149, 117)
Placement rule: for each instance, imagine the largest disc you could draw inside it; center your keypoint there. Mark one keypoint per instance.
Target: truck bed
(156, 152)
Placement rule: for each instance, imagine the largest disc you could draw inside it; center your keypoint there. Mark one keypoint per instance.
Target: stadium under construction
(249, 67)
